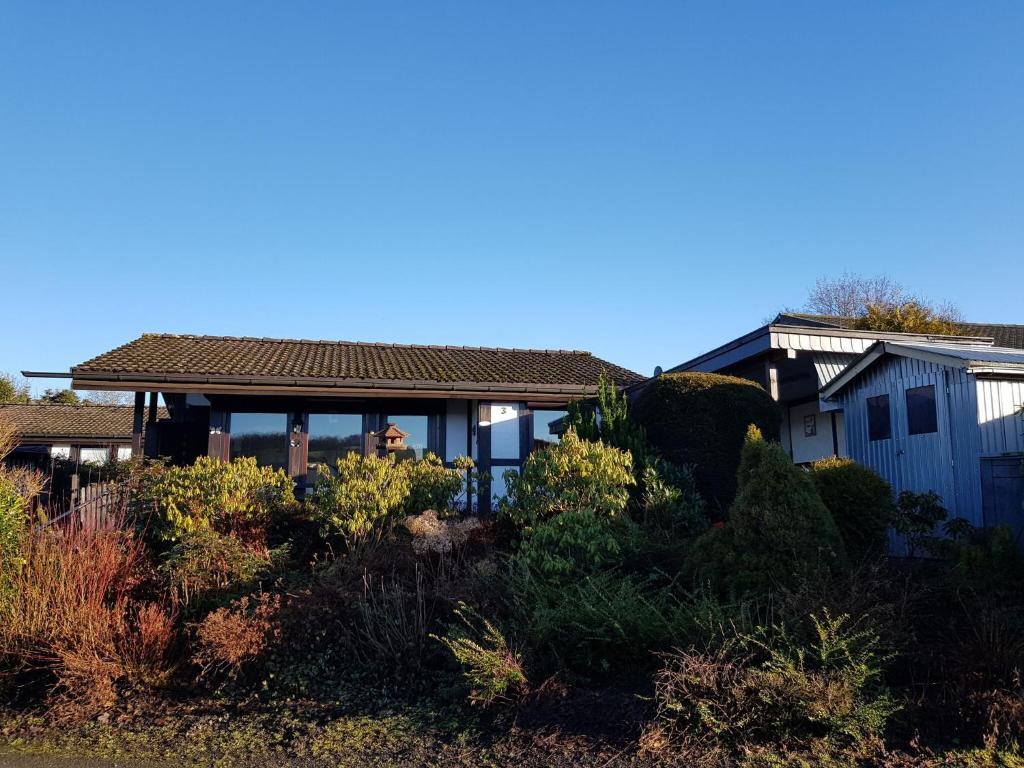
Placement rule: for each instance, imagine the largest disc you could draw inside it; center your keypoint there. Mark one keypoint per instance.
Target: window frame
(915, 426)
(874, 406)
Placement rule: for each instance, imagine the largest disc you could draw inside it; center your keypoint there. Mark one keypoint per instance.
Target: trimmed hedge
(701, 419)
(861, 503)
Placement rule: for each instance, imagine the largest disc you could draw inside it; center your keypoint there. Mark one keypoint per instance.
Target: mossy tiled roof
(154, 355)
(52, 422)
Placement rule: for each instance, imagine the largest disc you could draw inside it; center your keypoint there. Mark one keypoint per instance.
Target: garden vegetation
(688, 590)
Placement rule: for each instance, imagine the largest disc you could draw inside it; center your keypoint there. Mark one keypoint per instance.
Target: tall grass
(70, 622)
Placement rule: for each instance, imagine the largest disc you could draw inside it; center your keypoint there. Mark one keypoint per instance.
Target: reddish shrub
(231, 638)
(69, 615)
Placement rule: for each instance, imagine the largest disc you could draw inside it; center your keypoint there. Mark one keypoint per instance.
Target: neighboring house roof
(977, 358)
(1002, 335)
(221, 363)
(48, 423)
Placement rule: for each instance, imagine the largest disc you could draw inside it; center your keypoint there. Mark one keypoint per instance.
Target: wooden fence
(92, 507)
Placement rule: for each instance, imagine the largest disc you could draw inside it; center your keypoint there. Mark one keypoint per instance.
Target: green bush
(568, 504)
(574, 475)
(493, 670)
(363, 500)
(861, 504)
(669, 506)
(238, 498)
(779, 532)
(12, 529)
(608, 421)
(700, 419)
(777, 689)
(204, 564)
(432, 485)
(600, 625)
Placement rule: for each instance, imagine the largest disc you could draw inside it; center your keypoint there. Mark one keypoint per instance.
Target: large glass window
(921, 416)
(416, 441)
(547, 428)
(264, 436)
(332, 436)
(879, 419)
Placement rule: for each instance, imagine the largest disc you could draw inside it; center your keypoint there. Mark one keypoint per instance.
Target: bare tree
(108, 398)
(849, 295)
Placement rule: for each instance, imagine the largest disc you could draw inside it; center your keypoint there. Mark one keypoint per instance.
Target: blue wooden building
(939, 416)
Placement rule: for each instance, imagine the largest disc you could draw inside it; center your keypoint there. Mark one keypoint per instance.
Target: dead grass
(69, 620)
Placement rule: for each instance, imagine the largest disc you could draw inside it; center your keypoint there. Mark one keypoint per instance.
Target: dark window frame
(876, 406)
(922, 410)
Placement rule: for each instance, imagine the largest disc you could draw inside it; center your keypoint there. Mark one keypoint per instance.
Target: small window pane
(332, 436)
(264, 436)
(93, 455)
(414, 444)
(879, 419)
(547, 428)
(921, 416)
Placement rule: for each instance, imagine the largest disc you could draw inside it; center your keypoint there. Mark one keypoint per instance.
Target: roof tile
(164, 354)
(45, 420)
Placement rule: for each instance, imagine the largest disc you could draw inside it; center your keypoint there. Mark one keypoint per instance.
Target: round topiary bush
(861, 503)
(701, 419)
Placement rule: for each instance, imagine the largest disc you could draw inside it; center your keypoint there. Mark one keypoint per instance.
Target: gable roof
(48, 422)
(194, 363)
(1002, 335)
(977, 358)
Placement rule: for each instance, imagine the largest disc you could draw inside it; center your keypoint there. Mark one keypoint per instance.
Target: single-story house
(79, 433)
(297, 403)
(952, 403)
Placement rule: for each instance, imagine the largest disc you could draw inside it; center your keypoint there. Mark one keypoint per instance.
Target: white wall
(999, 416)
(805, 447)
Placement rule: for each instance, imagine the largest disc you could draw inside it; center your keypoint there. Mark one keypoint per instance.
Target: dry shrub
(69, 615)
(148, 648)
(231, 638)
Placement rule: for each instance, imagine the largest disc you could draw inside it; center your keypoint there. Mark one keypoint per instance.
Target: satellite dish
(657, 371)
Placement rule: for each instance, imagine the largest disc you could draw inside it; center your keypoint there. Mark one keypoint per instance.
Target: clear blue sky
(642, 180)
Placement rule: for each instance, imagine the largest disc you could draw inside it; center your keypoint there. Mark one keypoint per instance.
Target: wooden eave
(322, 387)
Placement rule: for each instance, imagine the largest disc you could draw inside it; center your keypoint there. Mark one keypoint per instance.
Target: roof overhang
(882, 348)
(323, 387)
(807, 338)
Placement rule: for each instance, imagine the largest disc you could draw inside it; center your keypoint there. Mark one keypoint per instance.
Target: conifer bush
(779, 532)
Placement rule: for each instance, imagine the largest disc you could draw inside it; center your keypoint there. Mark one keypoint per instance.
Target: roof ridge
(377, 344)
(852, 317)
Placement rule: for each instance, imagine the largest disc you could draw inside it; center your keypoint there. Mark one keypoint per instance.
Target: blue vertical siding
(948, 461)
(999, 417)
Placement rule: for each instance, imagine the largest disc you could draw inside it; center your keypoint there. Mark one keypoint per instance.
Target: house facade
(940, 417)
(926, 412)
(295, 404)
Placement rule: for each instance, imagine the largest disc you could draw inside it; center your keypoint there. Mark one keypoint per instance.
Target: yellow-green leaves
(237, 497)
